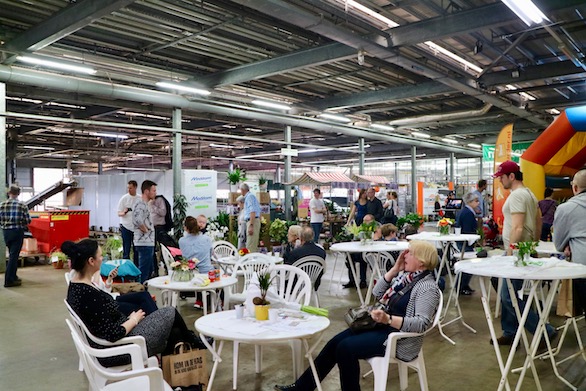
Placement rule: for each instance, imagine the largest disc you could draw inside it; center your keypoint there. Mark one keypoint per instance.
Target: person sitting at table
(357, 258)
(359, 209)
(293, 241)
(389, 232)
(412, 311)
(99, 311)
(307, 247)
(466, 220)
(195, 244)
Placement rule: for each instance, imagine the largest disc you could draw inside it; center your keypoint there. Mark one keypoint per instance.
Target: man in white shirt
(318, 211)
(144, 230)
(125, 206)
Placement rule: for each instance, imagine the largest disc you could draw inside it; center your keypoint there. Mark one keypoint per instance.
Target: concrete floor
(36, 351)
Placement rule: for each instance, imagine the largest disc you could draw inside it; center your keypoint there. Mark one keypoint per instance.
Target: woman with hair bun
(161, 329)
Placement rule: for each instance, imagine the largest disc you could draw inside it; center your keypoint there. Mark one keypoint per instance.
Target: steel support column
(177, 152)
(3, 183)
(287, 178)
(413, 179)
(362, 153)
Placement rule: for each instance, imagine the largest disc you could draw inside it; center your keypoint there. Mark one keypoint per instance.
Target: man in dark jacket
(374, 206)
(308, 247)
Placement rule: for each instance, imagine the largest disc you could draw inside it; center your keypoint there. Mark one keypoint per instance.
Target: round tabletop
(164, 282)
(375, 246)
(436, 237)
(503, 267)
(224, 326)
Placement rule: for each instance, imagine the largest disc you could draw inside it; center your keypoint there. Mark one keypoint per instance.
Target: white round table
(223, 326)
(165, 282)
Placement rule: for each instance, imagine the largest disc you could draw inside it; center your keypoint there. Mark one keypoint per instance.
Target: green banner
(518, 149)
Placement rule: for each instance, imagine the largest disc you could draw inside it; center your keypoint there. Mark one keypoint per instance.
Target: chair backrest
(167, 257)
(379, 262)
(248, 268)
(67, 278)
(312, 265)
(223, 248)
(292, 284)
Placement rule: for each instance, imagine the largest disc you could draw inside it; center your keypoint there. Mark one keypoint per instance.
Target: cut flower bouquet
(444, 226)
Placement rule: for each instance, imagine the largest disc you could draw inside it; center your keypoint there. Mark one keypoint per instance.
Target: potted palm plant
(234, 177)
(261, 305)
(262, 183)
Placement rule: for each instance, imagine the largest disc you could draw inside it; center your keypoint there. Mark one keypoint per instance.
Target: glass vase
(365, 237)
(444, 230)
(182, 275)
(520, 258)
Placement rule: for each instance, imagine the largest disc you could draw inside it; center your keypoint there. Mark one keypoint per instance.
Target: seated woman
(196, 245)
(293, 241)
(161, 329)
(412, 312)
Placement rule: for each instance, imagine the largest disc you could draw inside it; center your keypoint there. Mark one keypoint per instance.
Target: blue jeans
(127, 238)
(509, 322)
(145, 261)
(13, 239)
(345, 349)
(316, 231)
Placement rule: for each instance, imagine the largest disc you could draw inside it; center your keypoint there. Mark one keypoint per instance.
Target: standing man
(14, 218)
(570, 234)
(318, 211)
(480, 210)
(374, 206)
(144, 231)
(125, 206)
(522, 223)
(252, 218)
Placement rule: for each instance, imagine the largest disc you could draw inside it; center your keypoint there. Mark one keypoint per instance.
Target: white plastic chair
(136, 340)
(313, 266)
(246, 267)
(378, 262)
(380, 365)
(169, 298)
(136, 379)
(223, 248)
(167, 258)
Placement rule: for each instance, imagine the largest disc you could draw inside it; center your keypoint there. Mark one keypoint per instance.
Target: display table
(502, 267)
(446, 241)
(164, 282)
(223, 326)
(356, 247)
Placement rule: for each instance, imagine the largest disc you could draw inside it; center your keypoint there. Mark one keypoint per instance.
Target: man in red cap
(522, 223)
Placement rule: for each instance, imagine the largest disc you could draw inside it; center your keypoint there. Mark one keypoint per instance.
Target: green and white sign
(518, 149)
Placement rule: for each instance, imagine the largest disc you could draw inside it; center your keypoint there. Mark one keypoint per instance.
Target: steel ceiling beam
(533, 73)
(287, 63)
(65, 22)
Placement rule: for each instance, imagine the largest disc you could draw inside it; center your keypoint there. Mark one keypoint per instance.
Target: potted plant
(523, 251)
(412, 219)
(58, 258)
(444, 225)
(261, 305)
(113, 247)
(366, 231)
(278, 231)
(262, 183)
(180, 205)
(184, 269)
(235, 176)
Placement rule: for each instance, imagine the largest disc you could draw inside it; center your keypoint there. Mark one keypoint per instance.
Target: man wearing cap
(522, 223)
(14, 218)
(570, 234)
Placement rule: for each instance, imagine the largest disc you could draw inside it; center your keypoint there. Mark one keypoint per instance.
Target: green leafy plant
(412, 219)
(262, 180)
(235, 176)
(113, 246)
(57, 256)
(353, 229)
(180, 205)
(368, 227)
(343, 236)
(264, 283)
(278, 231)
(233, 238)
(523, 248)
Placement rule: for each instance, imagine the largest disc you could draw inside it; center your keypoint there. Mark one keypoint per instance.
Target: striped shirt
(14, 214)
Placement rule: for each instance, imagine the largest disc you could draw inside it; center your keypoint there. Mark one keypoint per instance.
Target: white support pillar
(3, 183)
(177, 152)
(287, 178)
(362, 153)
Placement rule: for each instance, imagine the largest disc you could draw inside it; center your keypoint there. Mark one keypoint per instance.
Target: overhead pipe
(12, 74)
(440, 117)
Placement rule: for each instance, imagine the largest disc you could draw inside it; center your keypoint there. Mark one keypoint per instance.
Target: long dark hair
(80, 252)
(191, 225)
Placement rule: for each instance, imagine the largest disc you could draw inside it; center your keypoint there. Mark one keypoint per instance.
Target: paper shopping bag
(186, 367)
(565, 306)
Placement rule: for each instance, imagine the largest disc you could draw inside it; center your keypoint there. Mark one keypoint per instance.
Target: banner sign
(502, 153)
(199, 187)
(517, 150)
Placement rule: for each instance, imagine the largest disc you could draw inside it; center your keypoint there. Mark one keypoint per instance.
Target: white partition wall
(199, 187)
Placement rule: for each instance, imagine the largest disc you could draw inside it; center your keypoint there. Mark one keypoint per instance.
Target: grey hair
(245, 186)
(240, 198)
(470, 196)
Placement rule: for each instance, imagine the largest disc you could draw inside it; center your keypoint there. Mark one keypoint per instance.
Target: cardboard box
(232, 197)
(302, 213)
(30, 245)
(263, 197)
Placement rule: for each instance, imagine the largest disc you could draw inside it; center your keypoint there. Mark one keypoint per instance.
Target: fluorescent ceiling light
(179, 87)
(61, 155)
(421, 135)
(260, 155)
(526, 96)
(65, 105)
(27, 100)
(229, 126)
(371, 13)
(78, 161)
(382, 127)
(254, 130)
(526, 11)
(334, 117)
(553, 111)
(472, 145)
(366, 159)
(39, 147)
(271, 105)
(56, 64)
(143, 155)
(221, 146)
(139, 169)
(449, 140)
(453, 56)
(133, 114)
(109, 135)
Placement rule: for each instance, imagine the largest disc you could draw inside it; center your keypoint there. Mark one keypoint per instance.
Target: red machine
(53, 228)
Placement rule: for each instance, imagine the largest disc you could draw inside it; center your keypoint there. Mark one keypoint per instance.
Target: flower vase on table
(182, 275)
(183, 269)
(444, 230)
(366, 232)
(444, 226)
(522, 252)
(365, 238)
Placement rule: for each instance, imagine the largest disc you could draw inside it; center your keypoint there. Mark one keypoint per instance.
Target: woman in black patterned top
(161, 329)
(411, 312)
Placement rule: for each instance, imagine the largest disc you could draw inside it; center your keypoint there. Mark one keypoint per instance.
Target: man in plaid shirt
(14, 218)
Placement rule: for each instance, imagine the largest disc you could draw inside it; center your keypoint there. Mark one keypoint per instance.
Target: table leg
(352, 266)
(215, 356)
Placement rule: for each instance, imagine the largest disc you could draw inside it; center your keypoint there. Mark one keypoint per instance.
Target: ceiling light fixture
(271, 105)
(453, 56)
(420, 135)
(553, 111)
(526, 11)
(139, 169)
(472, 145)
(383, 127)
(449, 140)
(179, 87)
(56, 65)
(39, 148)
(334, 117)
(254, 130)
(109, 135)
(221, 146)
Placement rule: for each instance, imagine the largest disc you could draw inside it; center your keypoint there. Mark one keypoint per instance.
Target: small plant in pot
(261, 305)
(235, 176)
(58, 259)
(262, 183)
